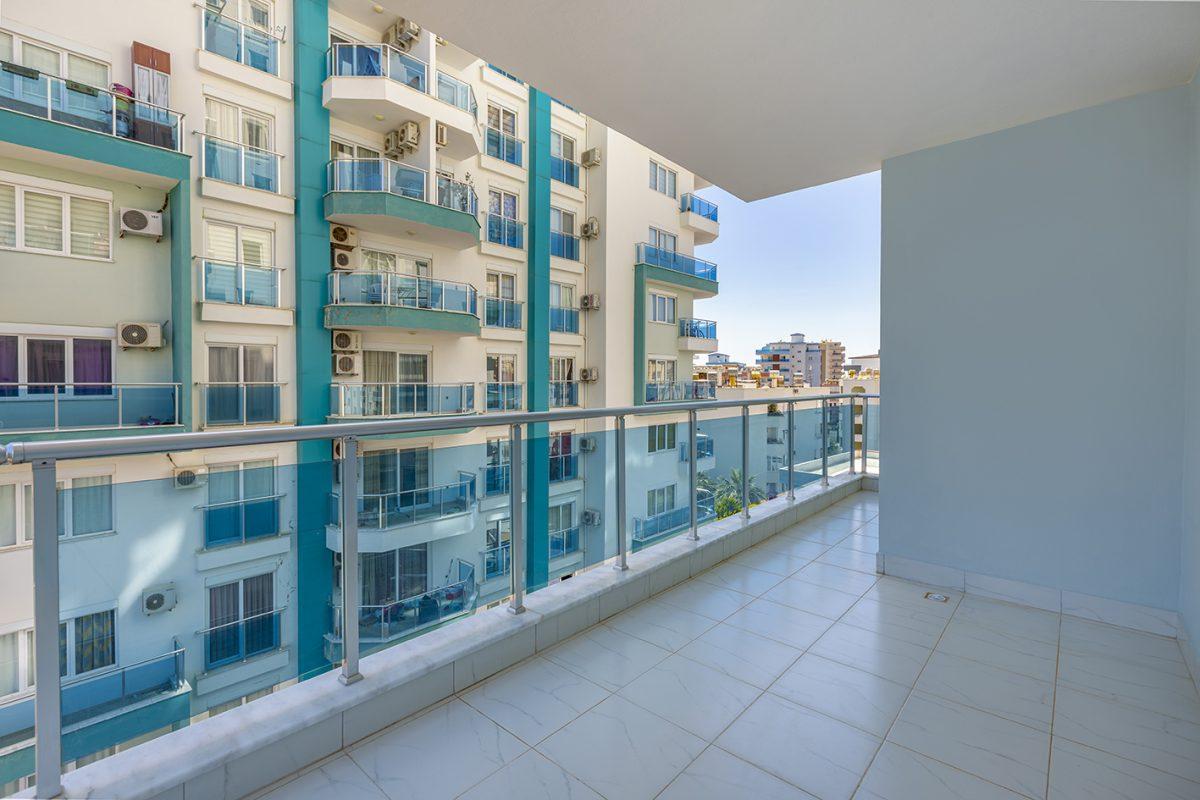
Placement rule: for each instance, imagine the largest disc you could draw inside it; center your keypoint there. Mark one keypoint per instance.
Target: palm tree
(732, 487)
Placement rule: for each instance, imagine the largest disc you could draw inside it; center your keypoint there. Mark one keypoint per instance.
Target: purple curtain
(8, 366)
(93, 364)
(45, 364)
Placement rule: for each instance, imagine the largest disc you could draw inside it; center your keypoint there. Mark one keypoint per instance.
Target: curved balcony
(392, 300)
(700, 217)
(647, 529)
(677, 392)
(390, 198)
(671, 267)
(392, 520)
(391, 400)
(697, 335)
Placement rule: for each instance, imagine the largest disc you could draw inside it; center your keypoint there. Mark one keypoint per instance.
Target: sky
(805, 262)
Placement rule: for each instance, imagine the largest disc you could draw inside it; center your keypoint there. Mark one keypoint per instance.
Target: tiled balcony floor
(793, 671)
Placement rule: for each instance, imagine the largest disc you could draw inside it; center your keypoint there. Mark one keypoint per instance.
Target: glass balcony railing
(647, 528)
(497, 561)
(231, 162)
(677, 262)
(564, 394)
(704, 447)
(376, 175)
(697, 328)
(504, 147)
(240, 403)
(564, 245)
(501, 313)
(564, 320)
(457, 195)
(387, 621)
(402, 291)
(506, 231)
(564, 467)
(378, 61)
(241, 639)
(241, 521)
(374, 400)
(456, 92)
(698, 205)
(246, 44)
(239, 284)
(501, 396)
(33, 407)
(564, 171)
(564, 542)
(394, 509)
(36, 94)
(496, 479)
(688, 390)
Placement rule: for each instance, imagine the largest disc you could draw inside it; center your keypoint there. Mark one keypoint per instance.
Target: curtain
(220, 119)
(8, 518)
(43, 221)
(95, 641)
(413, 570)
(412, 368)
(9, 664)
(40, 58)
(8, 215)
(260, 363)
(223, 642)
(8, 366)
(90, 228)
(91, 360)
(45, 363)
(258, 600)
(84, 70)
(91, 505)
(379, 578)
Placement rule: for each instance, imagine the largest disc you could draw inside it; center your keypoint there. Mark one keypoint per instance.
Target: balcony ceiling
(764, 97)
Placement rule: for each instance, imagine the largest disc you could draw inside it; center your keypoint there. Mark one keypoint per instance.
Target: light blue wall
(1049, 260)
(1189, 561)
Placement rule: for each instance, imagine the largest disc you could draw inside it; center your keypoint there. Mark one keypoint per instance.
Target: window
(499, 531)
(44, 220)
(561, 518)
(562, 295)
(394, 575)
(562, 146)
(87, 507)
(239, 244)
(87, 643)
(562, 369)
(660, 370)
(501, 285)
(241, 363)
(662, 179)
(562, 221)
(501, 119)
(660, 437)
(242, 620)
(53, 61)
(662, 308)
(236, 124)
(496, 473)
(340, 149)
(16, 662)
(501, 368)
(502, 203)
(41, 365)
(242, 503)
(663, 240)
(380, 261)
(241, 385)
(563, 461)
(396, 476)
(660, 501)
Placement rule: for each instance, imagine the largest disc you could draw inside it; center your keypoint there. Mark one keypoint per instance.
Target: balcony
(564, 394)
(506, 231)
(564, 542)
(705, 450)
(671, 267)
(564, 319)
(390, 198)
(647, 529)
(501, 313)
(700, 217)
(239, 640)
(48, 407)
(697, 335)
(392, 400)
(251, 403)
(238, 292)
(241, 521)
(496, 479)
(497, 561)
(377, 87)
(564, 171)
(506, 148)
(393, 300)
(564, 467)
(678, 392)
(245, 44)
(564, 245)
(392, 520)
(502, 396)
(239, 164)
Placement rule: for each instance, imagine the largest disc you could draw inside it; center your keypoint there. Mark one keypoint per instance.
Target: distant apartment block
(803, 363)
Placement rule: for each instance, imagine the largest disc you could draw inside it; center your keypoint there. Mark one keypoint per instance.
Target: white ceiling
(767, 96)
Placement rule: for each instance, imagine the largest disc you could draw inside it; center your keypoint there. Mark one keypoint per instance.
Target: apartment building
(201, 229)
(803, 363)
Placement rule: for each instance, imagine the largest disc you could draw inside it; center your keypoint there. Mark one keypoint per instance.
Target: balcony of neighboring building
(655, 526)
(507, 232)
(242, 403)
(232, 291)
(680, 391)
(697, 335)
(396, 400)
(395, 519)
(246, 51)
(674, 268)
(705, 452)
(367, 299)
(503, 396)
(700, 217)
(499, 312)
(564, 394)
(377, 87)
(387, 197)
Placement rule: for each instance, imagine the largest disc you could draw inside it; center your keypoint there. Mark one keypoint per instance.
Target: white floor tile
(1131, 683)
(1083, 773)
(437, 755)
(833, 577)
(861, 542)
(859, 698)
(695, 697)
(900, 774)
(718, 775)
(821, 534)
(1031, 623)
(740, 654)
(340, 778)
(739, 578)
(530, 777)
(622, 750)
(894, 659)
(791, 626)
(1144, 649)
(895, 590)
(995, 749)
(812, 598)
(913, 625)
(798, 548)
(663, 624)
(1011, 695)
(773, 561)
(1000, 649)
(812, 751)
(535, 698)
(606, 656)
(700, 597)
(849, 558)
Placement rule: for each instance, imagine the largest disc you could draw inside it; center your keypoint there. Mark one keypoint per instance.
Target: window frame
(66, 631)
(558, 141)
(65, 193)
(241, 348)
(557, 217)
(501, 112)
(663, 179)
(657, 498)
(238, 229)
(19, 41)
(26, 679)
(560, 289)
(659, 237)
(68, 357)
(662, 437)
(668, 302)
(501, 359)
(501, 278)
(502, 193)
(242, 112)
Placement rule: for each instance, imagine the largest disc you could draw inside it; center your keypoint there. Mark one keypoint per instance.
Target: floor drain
(935, 597)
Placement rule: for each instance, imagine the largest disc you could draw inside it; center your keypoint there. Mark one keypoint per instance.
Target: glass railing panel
(406, 69)
(503, 396)
(231, 162)
(233, 40)
(240, 403)
(678, 262)
(506, 231)
(563, 466)
(457, 195)
(35, 407)
(698, 205)
(564, 171)
(501, 313)
(872, 436)
(564, 320)
(378, 61)
(503, 146)
(697, 328)
(375, 175)
(564, 245)
(677, 392)
(406, 291)
(240, 284)
(564, 394)
(456, 92)
(378, 400)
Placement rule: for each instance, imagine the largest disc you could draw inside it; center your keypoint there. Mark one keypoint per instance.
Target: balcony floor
(794, 671)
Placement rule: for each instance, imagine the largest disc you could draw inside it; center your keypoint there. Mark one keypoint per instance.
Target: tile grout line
(1054, 704)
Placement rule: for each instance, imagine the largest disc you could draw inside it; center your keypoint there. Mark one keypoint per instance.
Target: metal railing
(564, 245)
(373, 400)
(383, 622)
(564, 319)
(497, 561)
(705, 447)
(676, 519)
(377, 61)
(502, 396)
(564, 171)
(239, 42)
(456, 92)
(376, 175)
(564, 542)
(34, 407)
(501, 313)
(237, 163)
(372, 288)
(679, 392)
(564, 394)
(241, 521)
(676, 262)
(36, 94)
(222, 646)
(238, 283)
(457, 195)
(496, 479)
(249, 403)
(564, 467)
(506, 231)
(698, 205)
(697, 328)
(410, 506)
(503, 146)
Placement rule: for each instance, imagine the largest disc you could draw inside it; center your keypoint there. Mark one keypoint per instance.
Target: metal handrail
(420, 66)
(55, 393)
(404, 291)
(213, 17)
(698, 205)
(395, 398)
(243, 151)
(240, 268)
(382, 180)
(472, 106)
(697, 328)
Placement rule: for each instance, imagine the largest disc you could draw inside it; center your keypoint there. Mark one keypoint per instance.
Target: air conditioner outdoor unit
(402, 34)
(347, 365)
(140, 334)
(441, 134)
(343, 236)
(590, 229)
(401, 140)
(190, 477)
(159, 599)
(591, 158)
(589, 302)
(589, 374)
(587, 444)
(590, 517)
(141, 223)
(347, 341)
(344, 260)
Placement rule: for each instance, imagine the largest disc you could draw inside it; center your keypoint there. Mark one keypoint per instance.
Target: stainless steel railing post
(351, 577)
(693, 455)
(745, 462)
(48, 701)
(824, 442)
(791, 460)
(622, 539)
(517, 515)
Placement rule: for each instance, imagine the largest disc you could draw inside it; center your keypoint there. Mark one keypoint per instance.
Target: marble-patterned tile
(340, 778)
(998, 750)
(1078, 772)
(998, 648)
(718, 775)
(817, 753)
(663, 624)
(848, 509)
(1159, 653)
(859, 698)
(454, 745)
(833, 577)
(739, 653)
(622, 750)
(697, 698)
(1130, 682)
(820, 534)
(1032, 623)
(894, 659)
(849, 558)
(1019, 592)
(895, 590)
(530, 777)
(861, 542)
(812, 598)
(740, 578)
(912, 624)
(1116, 612)
(1147, 737)
(606, 656)
(534, 698)
(1011, 695)
(924, 571)
(781, 623)
(773, 561)
(797, 548)
(901, 774)
(700, 597)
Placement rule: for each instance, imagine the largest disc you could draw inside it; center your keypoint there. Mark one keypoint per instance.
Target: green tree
(727, 506)
(732, 487)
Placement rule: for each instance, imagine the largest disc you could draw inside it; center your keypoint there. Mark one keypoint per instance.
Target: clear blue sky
(805, 262)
